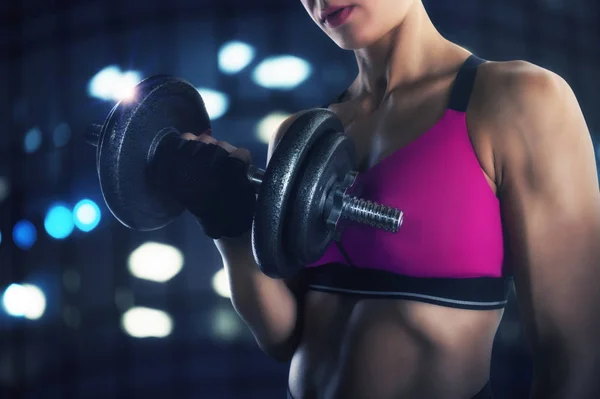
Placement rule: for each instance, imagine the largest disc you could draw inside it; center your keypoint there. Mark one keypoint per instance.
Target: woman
(493, 165)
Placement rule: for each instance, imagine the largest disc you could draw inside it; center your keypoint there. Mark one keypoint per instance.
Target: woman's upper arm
(550, 201)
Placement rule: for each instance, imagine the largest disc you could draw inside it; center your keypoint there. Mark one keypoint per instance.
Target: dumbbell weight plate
(161, 102)
(327, 165)
(281, 177)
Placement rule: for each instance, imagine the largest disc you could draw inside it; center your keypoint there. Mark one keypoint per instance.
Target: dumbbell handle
(349, 207)
(339, 206)
(371, 213)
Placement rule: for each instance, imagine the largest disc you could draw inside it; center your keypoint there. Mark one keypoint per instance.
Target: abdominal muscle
(384, 349)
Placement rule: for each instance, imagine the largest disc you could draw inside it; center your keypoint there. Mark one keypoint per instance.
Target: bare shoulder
(518, 105)
(516, 72)
(517, 88)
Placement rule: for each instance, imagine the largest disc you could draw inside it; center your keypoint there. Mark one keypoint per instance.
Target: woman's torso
(388, 348)
(379, 348)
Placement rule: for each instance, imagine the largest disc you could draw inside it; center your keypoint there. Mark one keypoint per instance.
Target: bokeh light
(24, 234)
(155, 262)
(32, 140)
(25, 300)
(216, 102)
(142, 322)
(86, 215)
(268, 125)
(235, 56)
(59, 222)
(61, 135)
(284, 72)
(110, 84)
(220, 283)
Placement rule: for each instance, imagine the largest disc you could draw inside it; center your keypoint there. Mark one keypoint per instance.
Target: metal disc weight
(306, 232)
(132, 196)
(280, 180)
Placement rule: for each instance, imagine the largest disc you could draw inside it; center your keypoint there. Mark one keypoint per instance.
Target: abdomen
(358, 348)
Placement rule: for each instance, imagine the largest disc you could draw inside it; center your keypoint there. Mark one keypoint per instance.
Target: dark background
(49, 51)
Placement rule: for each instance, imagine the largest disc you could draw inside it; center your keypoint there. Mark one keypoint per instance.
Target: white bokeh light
(235, 56)
(24, 300)
(102, 84)
(220, 283)
(216, 102)
(87, 215)
(283, 72)
(155, 262)
(268, 125)
(125, 90)
(141, 322)
(111, 84)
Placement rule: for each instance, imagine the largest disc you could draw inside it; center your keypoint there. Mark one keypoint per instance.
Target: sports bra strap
(463, 85)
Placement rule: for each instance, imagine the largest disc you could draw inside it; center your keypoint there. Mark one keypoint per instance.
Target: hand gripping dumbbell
(305, 196)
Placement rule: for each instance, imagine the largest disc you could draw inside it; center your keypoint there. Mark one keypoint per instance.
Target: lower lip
(339, 18)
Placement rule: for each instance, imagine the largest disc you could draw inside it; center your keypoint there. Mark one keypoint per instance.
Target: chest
(452, 225)
(380, 134)
(392, 126)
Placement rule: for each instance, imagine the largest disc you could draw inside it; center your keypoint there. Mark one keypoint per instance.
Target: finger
(207, 139)
(189, 136)
(242, 154)
(226, 146)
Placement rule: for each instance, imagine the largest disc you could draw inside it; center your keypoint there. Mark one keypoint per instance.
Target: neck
(410, 51)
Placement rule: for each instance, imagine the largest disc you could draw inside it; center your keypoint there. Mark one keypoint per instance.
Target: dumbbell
(306, 195)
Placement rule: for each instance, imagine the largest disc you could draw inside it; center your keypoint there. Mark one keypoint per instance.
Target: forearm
(266, 305)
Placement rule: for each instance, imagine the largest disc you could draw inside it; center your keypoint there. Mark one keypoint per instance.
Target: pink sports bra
(449, 250)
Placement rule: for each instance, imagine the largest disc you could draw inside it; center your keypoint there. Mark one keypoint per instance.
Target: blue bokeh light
(59, 222)
(24, 234)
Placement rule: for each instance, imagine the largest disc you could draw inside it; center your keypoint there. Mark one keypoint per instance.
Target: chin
(353, 42)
